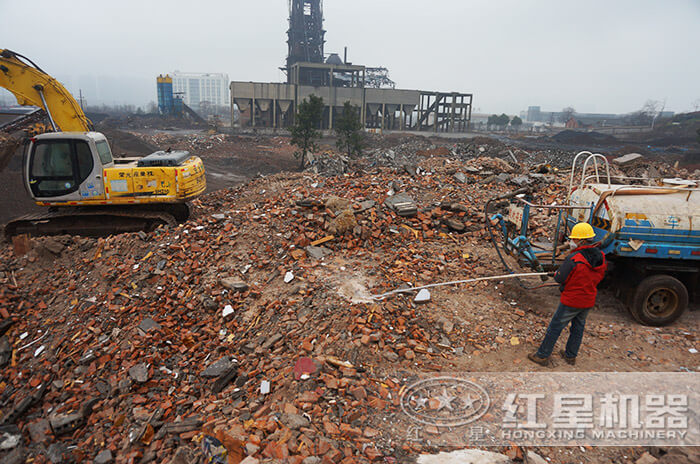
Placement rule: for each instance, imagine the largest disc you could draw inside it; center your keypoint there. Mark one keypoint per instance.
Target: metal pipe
(547, 206)
(595, 157)
(573, 170)
(40, 89)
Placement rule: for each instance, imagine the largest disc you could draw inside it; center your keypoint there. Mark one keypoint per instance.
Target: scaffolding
(443, 112)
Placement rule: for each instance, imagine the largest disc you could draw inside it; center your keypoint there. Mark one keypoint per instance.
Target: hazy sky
(594, 55)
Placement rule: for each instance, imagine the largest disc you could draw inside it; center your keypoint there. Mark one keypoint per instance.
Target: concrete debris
(228, 310)
(646, 458)
(9, 440)
(470, 456)
(410, 170)
(39, 431)
(147, 326)
(63, 424)
(139, 373)
(628, 159)
(218, 367)
(521, 181)
(184, 455)
(446, 324)
(104, 457)
(366, 205)
(402, 204)
(455, 225)
(16, 456)
(460, 177)
(503, 178)
(317, 252)
(5, 350)
(234, 285)
(250, 460)
(295, 421)
(423, 296)
(54, 246)
(534, 458)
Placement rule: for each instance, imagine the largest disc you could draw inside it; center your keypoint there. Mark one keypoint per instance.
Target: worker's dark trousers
(561, 319)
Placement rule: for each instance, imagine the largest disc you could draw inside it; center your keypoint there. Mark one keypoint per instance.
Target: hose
(455, 282)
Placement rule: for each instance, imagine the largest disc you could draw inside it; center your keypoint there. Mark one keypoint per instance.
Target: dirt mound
(124, 143)
(481, 140)
(681, 130)
(572, 137)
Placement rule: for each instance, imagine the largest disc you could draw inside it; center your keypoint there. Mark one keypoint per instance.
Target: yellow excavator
(71, 169)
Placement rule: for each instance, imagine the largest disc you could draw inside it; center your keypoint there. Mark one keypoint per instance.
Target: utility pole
(80, 92)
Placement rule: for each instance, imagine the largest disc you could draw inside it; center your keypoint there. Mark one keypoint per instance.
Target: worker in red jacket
(578, 277)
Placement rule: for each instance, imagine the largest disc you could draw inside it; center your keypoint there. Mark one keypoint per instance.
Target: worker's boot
(568, 360)
(537, 360)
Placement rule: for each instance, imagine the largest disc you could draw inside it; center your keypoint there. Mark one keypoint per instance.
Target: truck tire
(659, 300)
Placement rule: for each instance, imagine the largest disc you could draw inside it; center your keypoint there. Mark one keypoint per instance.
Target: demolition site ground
(253, 322)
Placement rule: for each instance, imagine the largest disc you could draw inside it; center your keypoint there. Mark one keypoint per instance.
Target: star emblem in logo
(445, 401)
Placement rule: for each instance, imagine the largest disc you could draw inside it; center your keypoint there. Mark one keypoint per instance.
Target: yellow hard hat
(581, 231)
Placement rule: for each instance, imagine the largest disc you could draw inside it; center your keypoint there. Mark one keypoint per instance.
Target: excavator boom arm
(32, 86)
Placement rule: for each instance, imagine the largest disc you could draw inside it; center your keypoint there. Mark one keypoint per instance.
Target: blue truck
(649, 233)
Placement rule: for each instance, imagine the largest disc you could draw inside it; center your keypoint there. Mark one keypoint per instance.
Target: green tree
(516, 122)
(304, 131)
(348, 128)
(503, 120)
(492, 121)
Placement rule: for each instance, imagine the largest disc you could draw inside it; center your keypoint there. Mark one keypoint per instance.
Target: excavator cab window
(58, 167)
(104, 152)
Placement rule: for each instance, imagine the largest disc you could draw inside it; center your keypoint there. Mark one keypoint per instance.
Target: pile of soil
(572, 137)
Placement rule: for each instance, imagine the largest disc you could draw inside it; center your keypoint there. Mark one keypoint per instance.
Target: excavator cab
(67, 166)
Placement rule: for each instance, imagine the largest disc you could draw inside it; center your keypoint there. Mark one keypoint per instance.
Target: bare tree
(566, 114)
(646, 115)
(653, 109)
(696, 105)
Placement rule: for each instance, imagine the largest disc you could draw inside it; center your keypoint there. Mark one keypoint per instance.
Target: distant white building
(196, 88)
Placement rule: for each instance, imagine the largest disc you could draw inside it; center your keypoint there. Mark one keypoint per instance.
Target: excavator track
(96, 222)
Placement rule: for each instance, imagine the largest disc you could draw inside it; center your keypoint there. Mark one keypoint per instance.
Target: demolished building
(337, 81)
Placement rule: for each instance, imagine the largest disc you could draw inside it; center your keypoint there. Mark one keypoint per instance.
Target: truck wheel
(659, 300)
